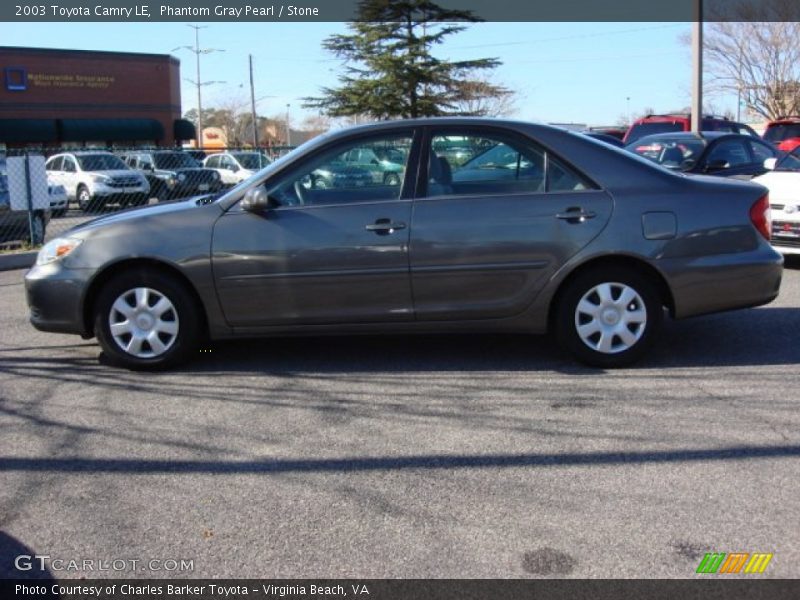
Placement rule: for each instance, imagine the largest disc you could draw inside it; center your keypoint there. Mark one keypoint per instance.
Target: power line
(570, 37)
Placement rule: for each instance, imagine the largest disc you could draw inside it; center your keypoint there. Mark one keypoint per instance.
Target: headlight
(56, 249)
(181, 177)
(100, 178)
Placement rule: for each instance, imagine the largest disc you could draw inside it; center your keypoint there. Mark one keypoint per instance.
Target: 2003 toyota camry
(534, 229)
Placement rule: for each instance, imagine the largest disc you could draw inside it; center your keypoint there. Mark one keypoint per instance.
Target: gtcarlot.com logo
(734, 562)
(44, 562)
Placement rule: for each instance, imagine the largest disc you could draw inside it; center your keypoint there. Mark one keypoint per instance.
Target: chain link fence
(47, 191)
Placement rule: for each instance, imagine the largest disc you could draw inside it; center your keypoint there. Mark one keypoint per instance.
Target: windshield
(252, 161)
(174, 160)
(672, 153)
(789, 162)
(100, 162)
(782, 131)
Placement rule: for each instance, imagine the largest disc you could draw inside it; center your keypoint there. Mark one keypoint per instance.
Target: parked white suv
(96, 178)
(236, 166)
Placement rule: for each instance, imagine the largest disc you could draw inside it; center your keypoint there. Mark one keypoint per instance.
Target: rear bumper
(722, 282)
(786, 247)
(55, 298)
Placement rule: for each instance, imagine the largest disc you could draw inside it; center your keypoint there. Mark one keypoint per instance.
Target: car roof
(703, 136)
(784, 121)
(84, 152)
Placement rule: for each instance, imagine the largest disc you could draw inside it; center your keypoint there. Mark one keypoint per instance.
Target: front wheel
(86, 201)
(146, 320)
(609, 318)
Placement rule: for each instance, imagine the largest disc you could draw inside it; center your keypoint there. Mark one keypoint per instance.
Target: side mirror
(769, 164)
(688, 164)
(256, 199)
(233, 168)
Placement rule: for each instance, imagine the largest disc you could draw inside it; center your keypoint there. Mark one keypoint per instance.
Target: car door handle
(575, 214)
(385, 226)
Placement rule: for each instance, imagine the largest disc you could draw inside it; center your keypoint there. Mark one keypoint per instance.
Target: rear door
(493, 225)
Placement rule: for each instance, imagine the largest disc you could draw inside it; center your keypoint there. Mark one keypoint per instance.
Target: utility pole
(253, 105)
(697, 67)
(288, 131)
(199, 83)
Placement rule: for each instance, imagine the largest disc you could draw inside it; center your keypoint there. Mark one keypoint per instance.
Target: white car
(783, 183)
(59, 201)
(96, 178)
(236, 166)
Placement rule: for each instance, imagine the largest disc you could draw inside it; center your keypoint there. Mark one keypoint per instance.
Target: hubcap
(143, 322)
(610, 318)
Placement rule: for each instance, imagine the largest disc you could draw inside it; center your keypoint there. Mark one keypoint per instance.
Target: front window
(100, 162)
(333, 179)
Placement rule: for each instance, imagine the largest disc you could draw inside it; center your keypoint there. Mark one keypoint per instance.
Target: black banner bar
(711, 588)
(347, 10)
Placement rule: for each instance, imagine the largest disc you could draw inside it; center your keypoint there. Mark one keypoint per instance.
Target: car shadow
(764, 336)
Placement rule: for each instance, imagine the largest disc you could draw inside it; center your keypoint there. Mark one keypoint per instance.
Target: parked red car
(652, 124)
(784, 133)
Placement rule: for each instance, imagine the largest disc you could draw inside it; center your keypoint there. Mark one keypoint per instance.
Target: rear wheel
(610, 317)
(146, 320)
(391, 179)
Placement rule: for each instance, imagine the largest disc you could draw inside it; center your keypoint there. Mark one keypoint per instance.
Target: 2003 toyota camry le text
(528, 228)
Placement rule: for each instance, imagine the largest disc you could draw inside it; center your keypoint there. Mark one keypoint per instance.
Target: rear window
(642, 129)
(782, 131)
(669, 153)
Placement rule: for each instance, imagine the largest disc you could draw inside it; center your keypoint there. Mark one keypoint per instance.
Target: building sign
(45, 80)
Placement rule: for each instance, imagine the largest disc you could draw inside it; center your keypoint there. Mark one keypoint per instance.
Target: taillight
(761, 217)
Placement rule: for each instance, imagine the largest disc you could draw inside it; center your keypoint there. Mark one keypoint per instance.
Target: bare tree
(482, 97)
(757, 60)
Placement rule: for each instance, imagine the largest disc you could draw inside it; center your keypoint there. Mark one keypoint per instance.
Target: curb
(20, 260)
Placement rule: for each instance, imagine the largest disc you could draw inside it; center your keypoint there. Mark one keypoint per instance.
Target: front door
(326, 254)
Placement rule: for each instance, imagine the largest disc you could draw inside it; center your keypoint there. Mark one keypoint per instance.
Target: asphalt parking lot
(417, 457)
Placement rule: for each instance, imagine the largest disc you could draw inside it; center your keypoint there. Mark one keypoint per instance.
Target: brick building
(76, 97)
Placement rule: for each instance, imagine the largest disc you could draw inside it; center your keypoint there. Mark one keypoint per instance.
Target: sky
(590, 73)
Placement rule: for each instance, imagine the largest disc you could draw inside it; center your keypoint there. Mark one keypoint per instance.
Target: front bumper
(106, 192)
(55, 298)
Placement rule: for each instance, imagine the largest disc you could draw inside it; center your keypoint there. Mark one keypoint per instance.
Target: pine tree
(389, 70)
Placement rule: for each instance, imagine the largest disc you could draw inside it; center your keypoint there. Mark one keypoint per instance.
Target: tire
(86, 202)
(391, 179)
(37, 239)
(156, 322)
(597, 328)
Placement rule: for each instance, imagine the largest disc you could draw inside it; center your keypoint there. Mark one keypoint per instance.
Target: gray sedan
(564, 234)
